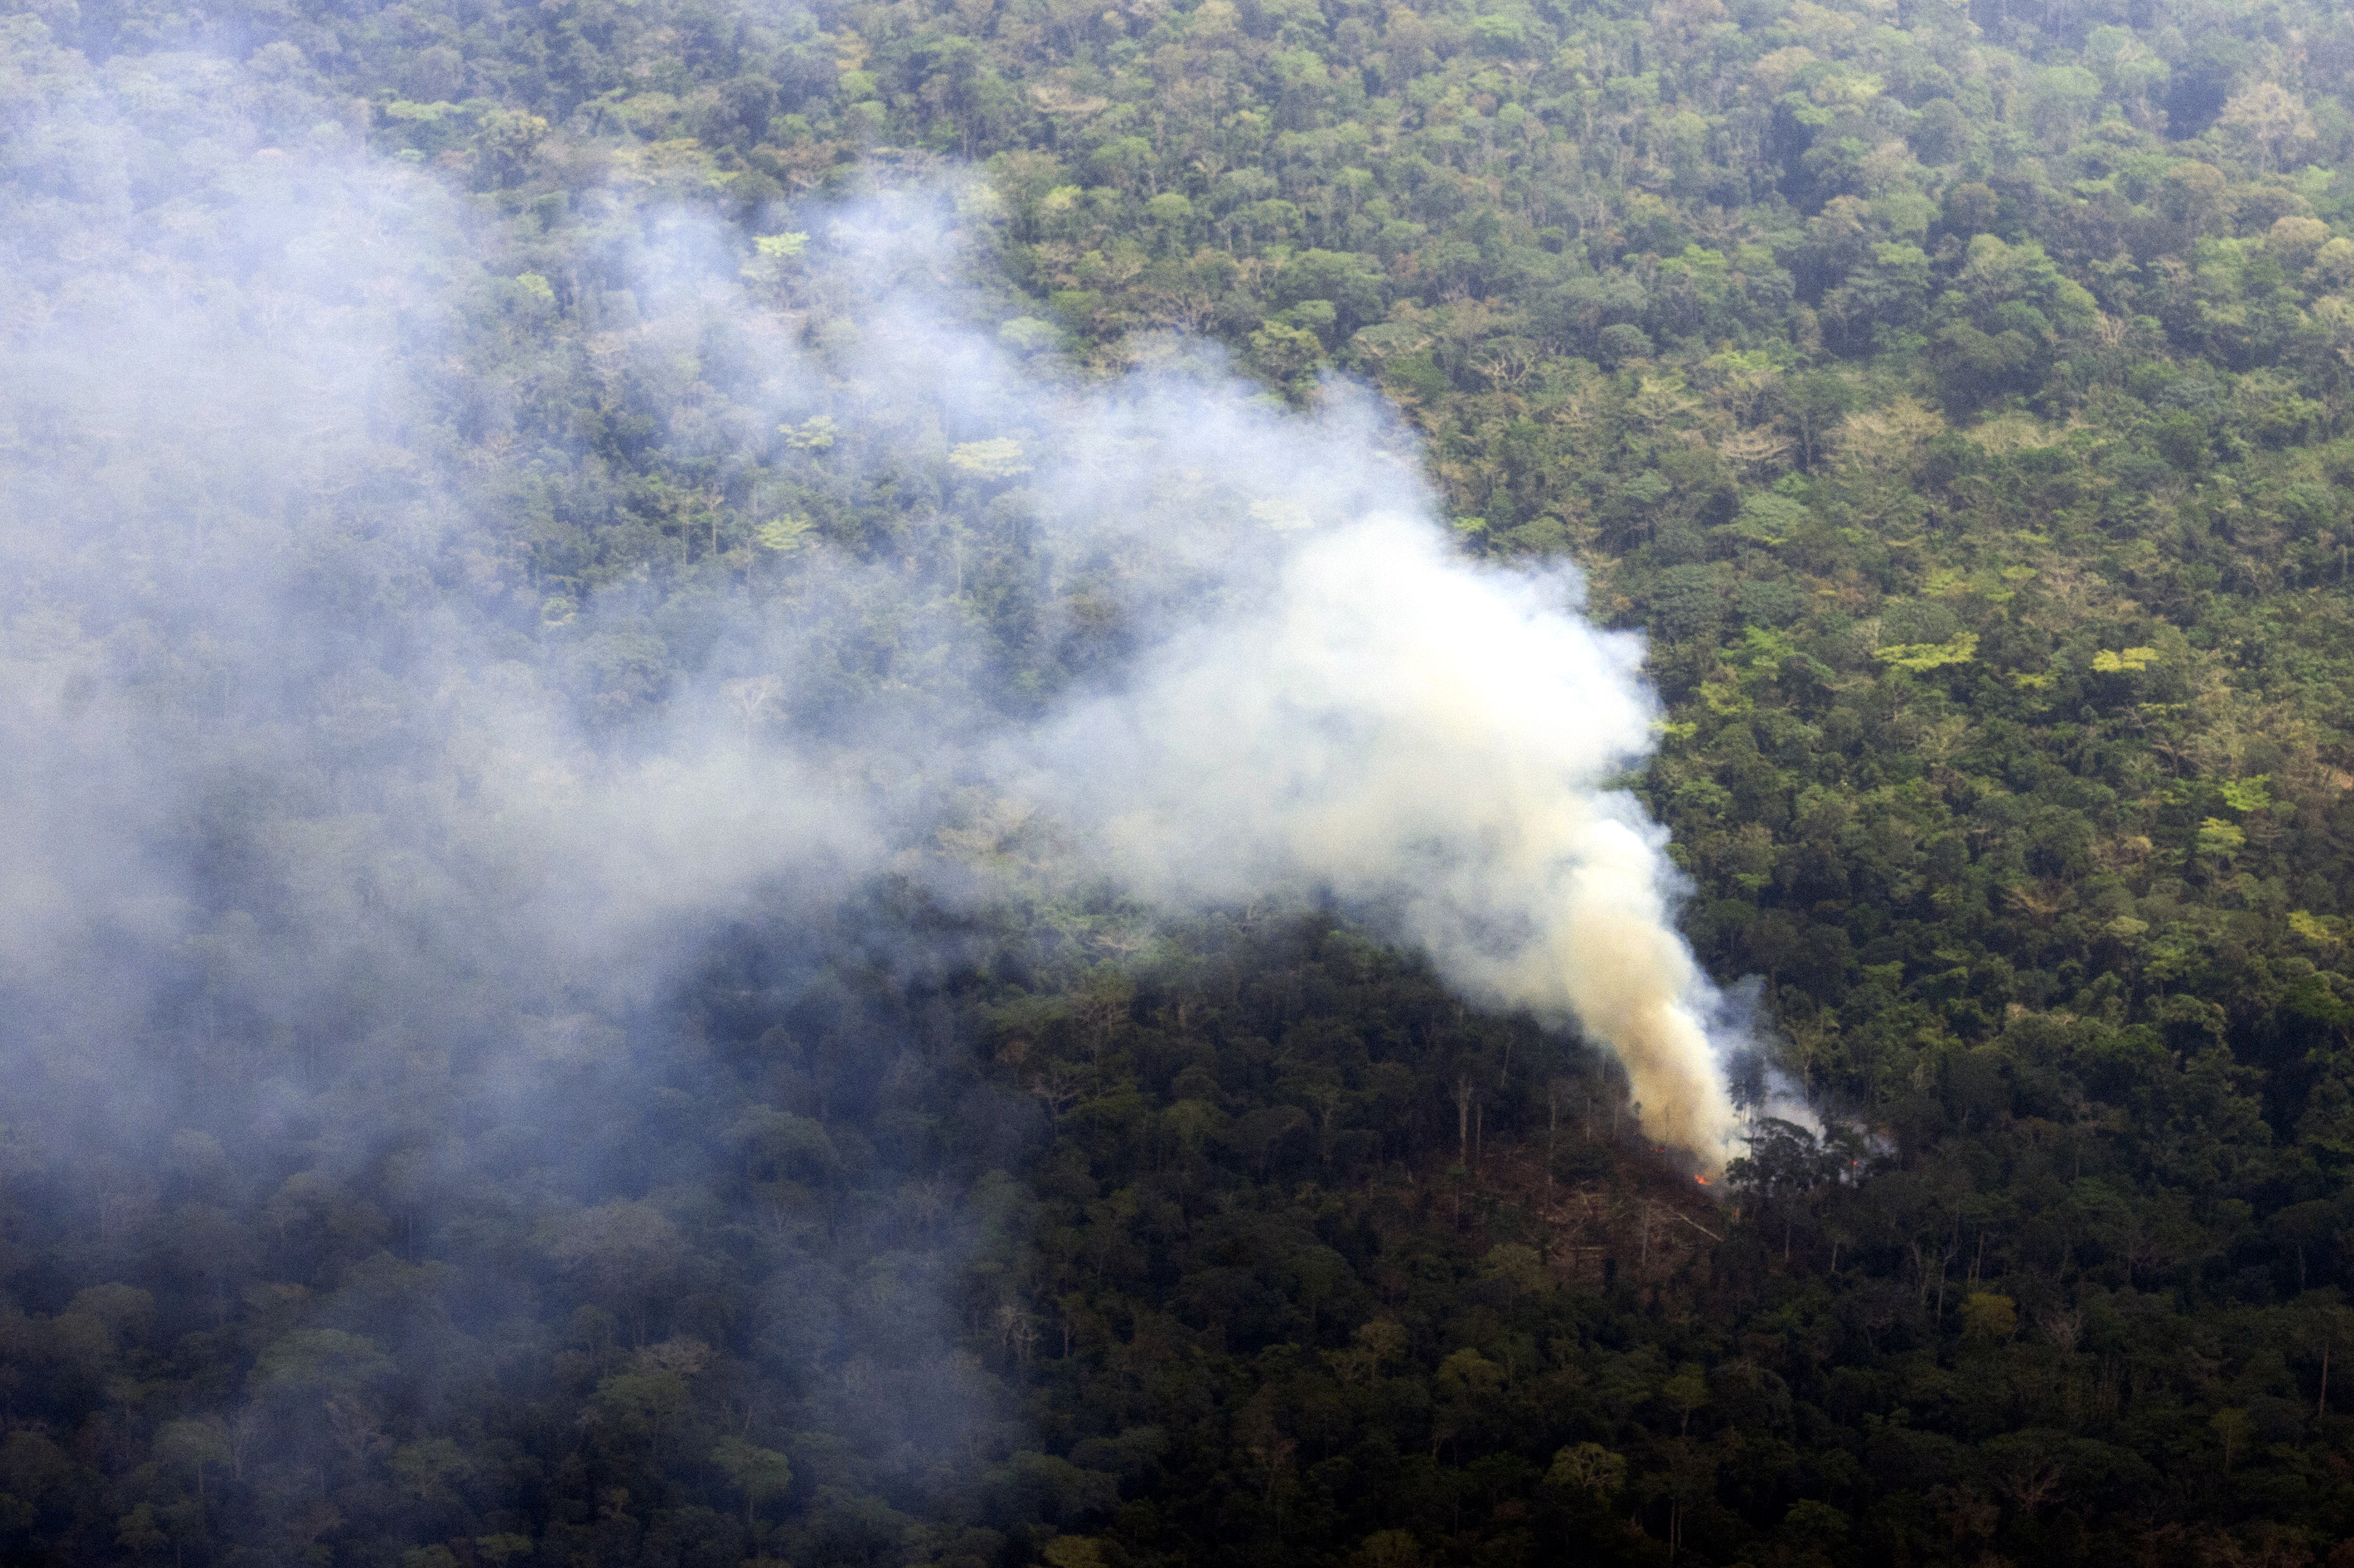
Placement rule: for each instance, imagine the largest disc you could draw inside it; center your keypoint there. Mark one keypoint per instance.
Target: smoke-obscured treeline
(1956, 395)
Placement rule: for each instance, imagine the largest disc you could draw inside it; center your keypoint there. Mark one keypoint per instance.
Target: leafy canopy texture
(489, 462)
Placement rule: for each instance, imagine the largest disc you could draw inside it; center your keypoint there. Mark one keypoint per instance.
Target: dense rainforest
(1959, 399)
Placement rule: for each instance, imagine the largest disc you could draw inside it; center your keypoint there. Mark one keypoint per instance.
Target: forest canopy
(1953, 396)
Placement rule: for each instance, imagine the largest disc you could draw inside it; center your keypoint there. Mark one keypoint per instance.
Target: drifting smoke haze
(242, 573)
(246, 670)
(360, 834)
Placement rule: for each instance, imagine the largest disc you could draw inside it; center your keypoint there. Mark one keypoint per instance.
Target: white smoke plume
(399, 800)
(1429, 738)
(248, 601)
(1326, 692)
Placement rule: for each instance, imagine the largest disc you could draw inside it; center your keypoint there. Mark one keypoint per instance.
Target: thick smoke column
(1432, 739)
(298, 729)
(452, 846)
(1323, 693)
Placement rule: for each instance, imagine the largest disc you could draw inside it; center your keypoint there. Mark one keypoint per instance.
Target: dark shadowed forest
(423, 1146)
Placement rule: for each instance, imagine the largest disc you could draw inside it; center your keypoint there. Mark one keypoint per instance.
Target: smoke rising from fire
(284, 636)
(1428, 739)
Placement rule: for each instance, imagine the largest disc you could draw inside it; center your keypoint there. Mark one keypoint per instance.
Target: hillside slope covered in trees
(1958, 396)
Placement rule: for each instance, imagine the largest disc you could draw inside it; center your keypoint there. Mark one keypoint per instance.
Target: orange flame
(1701, 1180)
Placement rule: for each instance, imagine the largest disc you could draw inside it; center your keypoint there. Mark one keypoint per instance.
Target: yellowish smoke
(1426, 736)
